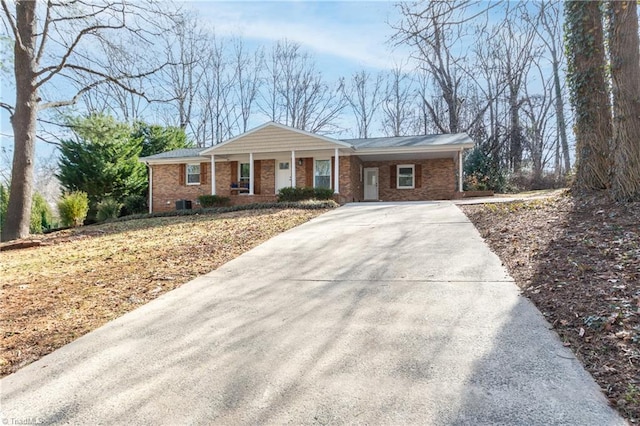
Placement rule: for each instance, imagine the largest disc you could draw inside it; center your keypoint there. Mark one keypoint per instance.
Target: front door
(371, 183)
(283, 174)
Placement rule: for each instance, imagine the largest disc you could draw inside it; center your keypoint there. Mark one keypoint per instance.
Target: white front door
(371, 183)
(283, 174)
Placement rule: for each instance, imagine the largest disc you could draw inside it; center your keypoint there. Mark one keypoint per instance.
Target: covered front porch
(242, 176)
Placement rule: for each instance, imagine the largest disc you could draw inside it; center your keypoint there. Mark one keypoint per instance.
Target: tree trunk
(23, 122)
(625, 73)
(559, 105)
(590, 95)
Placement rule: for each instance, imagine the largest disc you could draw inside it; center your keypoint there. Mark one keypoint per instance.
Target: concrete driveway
(372, 313)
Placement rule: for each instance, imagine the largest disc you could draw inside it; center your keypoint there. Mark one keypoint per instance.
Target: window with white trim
(322, 175)
(193, 174)
(243, 175)
(406, 175)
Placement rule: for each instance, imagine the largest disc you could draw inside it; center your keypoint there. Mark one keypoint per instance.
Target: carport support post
(336, 173)
(251, 173)
(293, 169)
(460, 170)
(213, 175)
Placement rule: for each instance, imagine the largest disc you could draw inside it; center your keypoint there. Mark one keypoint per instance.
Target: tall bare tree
(49, 41)
(296, 94)
(248, 81)
(186, 49)
(547, 23)
(363, 96)
(215, 97)
(397, 103)
(589, 93)
(625, 72)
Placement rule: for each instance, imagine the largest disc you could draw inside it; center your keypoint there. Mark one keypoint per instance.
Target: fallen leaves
(578, 260)
(81, 278)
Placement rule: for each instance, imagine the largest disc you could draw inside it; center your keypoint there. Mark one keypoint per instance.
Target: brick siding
(438, 180)
(167, 188)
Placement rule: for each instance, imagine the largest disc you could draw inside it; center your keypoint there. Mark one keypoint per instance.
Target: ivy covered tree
(624, 51)
(102, 160)
(590, 98)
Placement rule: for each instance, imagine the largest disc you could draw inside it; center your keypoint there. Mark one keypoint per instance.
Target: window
(243, 177)
(405, 176)
(193, 174)
(323, 174)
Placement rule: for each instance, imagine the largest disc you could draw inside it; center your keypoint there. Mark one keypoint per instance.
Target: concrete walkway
(370, 314)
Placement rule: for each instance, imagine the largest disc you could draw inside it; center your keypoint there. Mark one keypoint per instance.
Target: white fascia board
(177, 160)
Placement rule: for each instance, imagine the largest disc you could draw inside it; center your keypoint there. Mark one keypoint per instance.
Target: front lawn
(81, 278)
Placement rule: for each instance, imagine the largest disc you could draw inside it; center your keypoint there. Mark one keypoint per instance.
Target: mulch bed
(578, 260)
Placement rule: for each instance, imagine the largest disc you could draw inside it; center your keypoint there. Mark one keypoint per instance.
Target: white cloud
(354, 32)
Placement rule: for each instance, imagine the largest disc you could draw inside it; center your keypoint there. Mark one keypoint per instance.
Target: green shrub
(304, 193)
(305, 205)
(323, 193)
(208, 201)
(134, 204)
(107, 209)
(41, 215)
(73, 208)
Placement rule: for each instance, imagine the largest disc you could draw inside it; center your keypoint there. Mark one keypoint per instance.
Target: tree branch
(12, 23)
(7, 107)
(45, 32)
(53, 70)
(105, 79)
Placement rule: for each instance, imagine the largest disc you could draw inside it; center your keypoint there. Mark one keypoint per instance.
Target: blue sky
(342, 36)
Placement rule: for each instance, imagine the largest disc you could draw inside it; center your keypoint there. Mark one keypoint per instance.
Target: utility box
(183, 205)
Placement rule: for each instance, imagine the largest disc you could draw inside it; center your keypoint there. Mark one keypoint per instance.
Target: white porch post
(150, 188)
(213, 175)
(251, 173)
(336, 173)
(460, 170)
(293, 169)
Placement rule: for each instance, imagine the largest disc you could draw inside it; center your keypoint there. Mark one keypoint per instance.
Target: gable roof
(273, 136)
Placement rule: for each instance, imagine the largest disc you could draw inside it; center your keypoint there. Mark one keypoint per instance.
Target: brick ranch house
(252, 167)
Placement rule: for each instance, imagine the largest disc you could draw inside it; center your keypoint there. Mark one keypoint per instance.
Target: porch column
(336, 173)
(213, 175)
(150, 188)
(460, 170)
(251, 173)
(293, 169)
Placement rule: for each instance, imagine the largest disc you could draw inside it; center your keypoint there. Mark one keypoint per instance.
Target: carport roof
(461, 140)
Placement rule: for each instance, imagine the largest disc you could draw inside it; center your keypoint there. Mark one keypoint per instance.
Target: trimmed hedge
(208, 201)
(304, 193)
(306, 205)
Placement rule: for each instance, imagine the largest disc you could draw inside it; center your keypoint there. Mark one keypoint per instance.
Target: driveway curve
(370, 314)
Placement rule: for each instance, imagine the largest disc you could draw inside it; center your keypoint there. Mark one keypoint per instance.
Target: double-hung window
(243, 175)
(193, 174)
(406, 176)
(322, 178)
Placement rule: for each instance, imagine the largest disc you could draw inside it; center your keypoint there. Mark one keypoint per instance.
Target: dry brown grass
(55, 293)
(578, 260)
